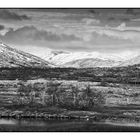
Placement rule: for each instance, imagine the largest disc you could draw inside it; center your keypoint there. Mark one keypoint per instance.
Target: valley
(32, 88)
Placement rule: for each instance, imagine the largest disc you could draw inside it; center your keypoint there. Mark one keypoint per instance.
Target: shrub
(25, 94)
(54, 94)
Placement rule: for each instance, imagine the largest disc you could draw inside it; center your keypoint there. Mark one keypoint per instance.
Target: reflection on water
(30, 123)
(122, 123)
(21, 122)
(66, 125)
(9, 122)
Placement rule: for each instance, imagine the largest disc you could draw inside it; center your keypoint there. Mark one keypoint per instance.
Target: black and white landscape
(69, 70)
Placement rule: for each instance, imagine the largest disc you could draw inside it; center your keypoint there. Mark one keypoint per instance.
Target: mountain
(91, 62)
(61, 58)
(91, 59)
(130, 62)
(85, 59)
(10, 57)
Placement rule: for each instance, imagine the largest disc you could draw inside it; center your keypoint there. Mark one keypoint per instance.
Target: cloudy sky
(98, 30)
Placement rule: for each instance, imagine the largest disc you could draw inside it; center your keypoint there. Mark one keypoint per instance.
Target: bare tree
(53, 90)
(74, 91)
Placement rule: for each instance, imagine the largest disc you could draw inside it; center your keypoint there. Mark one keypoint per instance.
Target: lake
(33, 125)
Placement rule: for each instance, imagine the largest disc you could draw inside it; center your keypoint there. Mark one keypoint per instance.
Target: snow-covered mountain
(130, 62)
(63, 57)
(90, 59)
(10, 57)
(91, 62)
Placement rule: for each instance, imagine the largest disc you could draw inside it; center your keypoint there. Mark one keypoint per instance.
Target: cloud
(2, 27)
(30, 35)
(76, 38)
(9, 15)
(63, 10)
(118, 19)
(90, 21)
(130, 11)
(120, 32)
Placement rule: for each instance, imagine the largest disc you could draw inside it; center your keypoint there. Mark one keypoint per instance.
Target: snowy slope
(91, 62)
(60, 57)
(88, 59)
(130, 62)
(10, 57)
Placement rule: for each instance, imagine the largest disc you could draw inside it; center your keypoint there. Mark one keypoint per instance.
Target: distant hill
(91, 62)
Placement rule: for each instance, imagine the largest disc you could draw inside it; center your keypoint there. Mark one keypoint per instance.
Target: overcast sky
(101, 30)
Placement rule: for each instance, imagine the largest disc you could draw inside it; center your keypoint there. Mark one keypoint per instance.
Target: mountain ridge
(91, 62)
(11, 57)
(89, 59)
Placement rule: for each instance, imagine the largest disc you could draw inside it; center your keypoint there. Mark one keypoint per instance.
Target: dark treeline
(128, 75)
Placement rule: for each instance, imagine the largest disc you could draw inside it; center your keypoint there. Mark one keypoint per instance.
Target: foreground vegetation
(62, 90)
(43, 98)
(55, 93)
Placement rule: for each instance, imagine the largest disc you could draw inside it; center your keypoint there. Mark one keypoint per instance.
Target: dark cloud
(30, 35)
(2, 27)
(116, 19)
(9, 15)
(85, 10)
(106, 39)
(62, 10)
(130, 11)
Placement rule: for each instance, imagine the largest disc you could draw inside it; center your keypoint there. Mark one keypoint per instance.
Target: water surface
(33, 125)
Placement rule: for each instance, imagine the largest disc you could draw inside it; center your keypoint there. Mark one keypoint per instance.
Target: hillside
(133, 61)
(10, 57)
